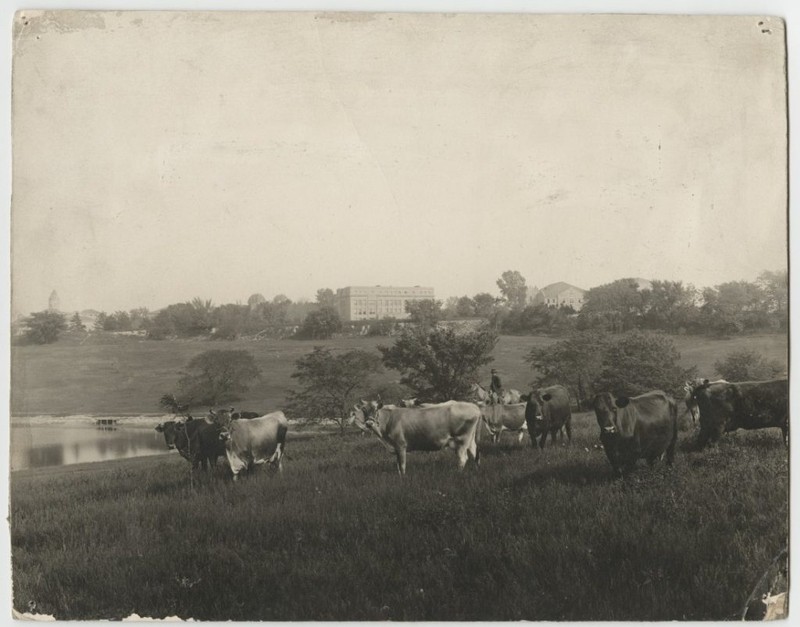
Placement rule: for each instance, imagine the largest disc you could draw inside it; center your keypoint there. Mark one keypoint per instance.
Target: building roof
(554, 289)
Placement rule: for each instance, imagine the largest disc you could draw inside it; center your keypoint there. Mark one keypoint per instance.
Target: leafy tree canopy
(425, 312)
(216, 376)
(44, 327)
(440, 363)
(321, 324)
(748, 365)
(512, 287)
(331, 384)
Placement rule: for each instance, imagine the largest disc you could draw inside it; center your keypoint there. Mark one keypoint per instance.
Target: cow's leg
(461, 451)
(543, 439)
(472, 450)
(568, 429)
(520, 436)
(401, 460)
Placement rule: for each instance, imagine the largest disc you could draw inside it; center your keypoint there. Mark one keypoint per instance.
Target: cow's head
(221, 417)
(366, 413)
(717, 402)
(536, 412)
(174, 431)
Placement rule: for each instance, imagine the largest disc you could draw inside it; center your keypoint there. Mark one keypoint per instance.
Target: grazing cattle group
(631, 428)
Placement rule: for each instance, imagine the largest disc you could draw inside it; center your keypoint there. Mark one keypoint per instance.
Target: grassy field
(118, 375)
(339, 536)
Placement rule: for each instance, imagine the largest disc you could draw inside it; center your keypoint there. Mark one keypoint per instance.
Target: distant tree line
(727, 309)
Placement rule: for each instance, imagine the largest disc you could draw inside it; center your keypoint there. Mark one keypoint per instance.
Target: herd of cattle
(641, 427)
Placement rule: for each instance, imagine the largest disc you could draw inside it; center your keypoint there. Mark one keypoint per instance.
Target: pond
(35, 444)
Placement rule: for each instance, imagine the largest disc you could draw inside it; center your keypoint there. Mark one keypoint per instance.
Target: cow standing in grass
(453, 424)
(248, 443)
(197, 441)
(548, 411)
(728, 406)
(642, 427)
(499, 418)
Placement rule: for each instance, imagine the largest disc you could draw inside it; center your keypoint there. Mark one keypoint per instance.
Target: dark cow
(642, 427)
(747, 405)
(252, 442)
(452, 424)
(547, 410)
(197, 441)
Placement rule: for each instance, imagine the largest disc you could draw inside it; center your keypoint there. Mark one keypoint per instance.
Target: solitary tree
(440, 363)
(331, 384)
(216, 376)
(44, 327)
(512, 287)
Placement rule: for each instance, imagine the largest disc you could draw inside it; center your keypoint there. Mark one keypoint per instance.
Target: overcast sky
(158, 157)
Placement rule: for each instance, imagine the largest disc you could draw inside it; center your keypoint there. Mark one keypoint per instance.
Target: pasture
(112, 375)
(339, 536)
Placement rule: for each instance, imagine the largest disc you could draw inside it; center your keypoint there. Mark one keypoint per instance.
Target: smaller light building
(379, 301)
(558, 294)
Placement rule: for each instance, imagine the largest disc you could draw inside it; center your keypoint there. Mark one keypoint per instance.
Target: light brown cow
(255, 441)
(452, 424)
(499, 418)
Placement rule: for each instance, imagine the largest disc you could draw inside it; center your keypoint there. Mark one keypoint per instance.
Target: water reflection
(35, 446)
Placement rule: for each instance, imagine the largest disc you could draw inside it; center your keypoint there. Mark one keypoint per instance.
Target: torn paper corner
(28, 616)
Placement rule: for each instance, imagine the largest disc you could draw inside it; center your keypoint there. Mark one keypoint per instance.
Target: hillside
(119, 375)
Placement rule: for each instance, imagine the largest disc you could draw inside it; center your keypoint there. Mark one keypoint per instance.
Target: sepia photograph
(398, 316)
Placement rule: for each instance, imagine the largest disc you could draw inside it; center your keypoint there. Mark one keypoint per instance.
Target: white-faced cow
(252, 442)
(499, 418)
(452, 424)
(548, 411)
(642, 427)
(728, 406)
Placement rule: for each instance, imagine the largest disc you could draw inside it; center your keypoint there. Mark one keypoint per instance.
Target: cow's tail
(476, 438)
(280, 447)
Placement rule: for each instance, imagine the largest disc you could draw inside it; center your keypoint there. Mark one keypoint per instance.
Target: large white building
(379, 301)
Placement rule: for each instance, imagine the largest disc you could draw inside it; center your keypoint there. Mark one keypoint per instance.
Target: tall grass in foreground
(530, 535)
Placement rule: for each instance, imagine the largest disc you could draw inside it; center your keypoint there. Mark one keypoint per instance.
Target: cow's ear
(160, 428)
(212, 412)
(189, 418)
(547, 397)
(622, 401)
(378, 404)
(706, 383)
(231, 410)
